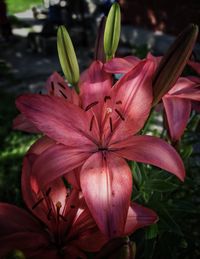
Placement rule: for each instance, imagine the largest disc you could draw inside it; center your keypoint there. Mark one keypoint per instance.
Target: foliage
(13, 146)
(16, 6)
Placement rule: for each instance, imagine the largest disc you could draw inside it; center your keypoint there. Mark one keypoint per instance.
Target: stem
(77, 88)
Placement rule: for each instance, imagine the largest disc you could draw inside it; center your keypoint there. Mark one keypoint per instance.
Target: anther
(120, 115)
(48, 191)
(37, 203)
(111, 126)
(107, 98)
(91, 105)
(91, 122)
(58, 205)
(63, 94)
(119, 102)
(61, 85)
(49, 214)
(52, 88)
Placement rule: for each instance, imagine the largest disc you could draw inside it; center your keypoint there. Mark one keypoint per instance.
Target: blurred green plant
(13, 146)
(16, 6)
(178, 206)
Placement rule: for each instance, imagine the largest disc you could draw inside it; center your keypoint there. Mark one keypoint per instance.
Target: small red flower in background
(177, 102)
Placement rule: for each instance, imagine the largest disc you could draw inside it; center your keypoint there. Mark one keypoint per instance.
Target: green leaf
(137, 176)
(151, 232)
(112, 31)
(159, 186)
(67, 56)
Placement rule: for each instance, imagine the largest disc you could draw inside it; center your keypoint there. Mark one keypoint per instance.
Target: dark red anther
(120, 115)
(48, 191)
(37, 203)
(119, 102)
(52, 86)
(61, 85)
(49, 214)
(63, 94)
(107, 98)
(91, 105)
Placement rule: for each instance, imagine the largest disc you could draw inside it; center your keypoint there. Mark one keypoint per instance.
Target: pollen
(58, 205)
(108, 110)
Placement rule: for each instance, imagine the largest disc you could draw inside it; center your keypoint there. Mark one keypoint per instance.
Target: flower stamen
(61, 85)
(107, 98)
(119, 102)
(37, 203)
(63, 94)
(48, 191)
(91, 105)
(120, 115)
(49, 214)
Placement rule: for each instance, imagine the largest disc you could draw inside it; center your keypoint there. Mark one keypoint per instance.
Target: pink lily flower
(178, 105)
(177, 102)
(62, 226)
(99, 137)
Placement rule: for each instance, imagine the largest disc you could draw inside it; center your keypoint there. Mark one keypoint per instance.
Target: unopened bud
(112, 31)
(173, 62)
(67, 56)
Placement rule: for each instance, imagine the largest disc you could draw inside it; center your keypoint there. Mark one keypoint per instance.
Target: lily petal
(24, 241)
(57, 161)
(107, 192)
(41, 145)
(60, 120)
(121, 65)
(178, 113)
(86, 229)
(194, 65)
(22, 222)
(134, 93)
(138, 217)
(151, 150)
(189, 93)
(22, 123)
(95, 84)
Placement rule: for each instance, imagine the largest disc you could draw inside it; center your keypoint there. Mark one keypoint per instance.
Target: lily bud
(119, 248)
(112, 31)
(67, 56)
(173, 62)
(99, 50)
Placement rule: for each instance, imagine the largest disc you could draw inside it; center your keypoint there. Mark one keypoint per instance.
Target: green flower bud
(112, 31)
(67, 56)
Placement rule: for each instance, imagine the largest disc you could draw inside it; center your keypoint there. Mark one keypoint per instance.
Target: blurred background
(28, 56)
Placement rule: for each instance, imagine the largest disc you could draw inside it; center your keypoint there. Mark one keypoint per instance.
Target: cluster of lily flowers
(76, 181)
